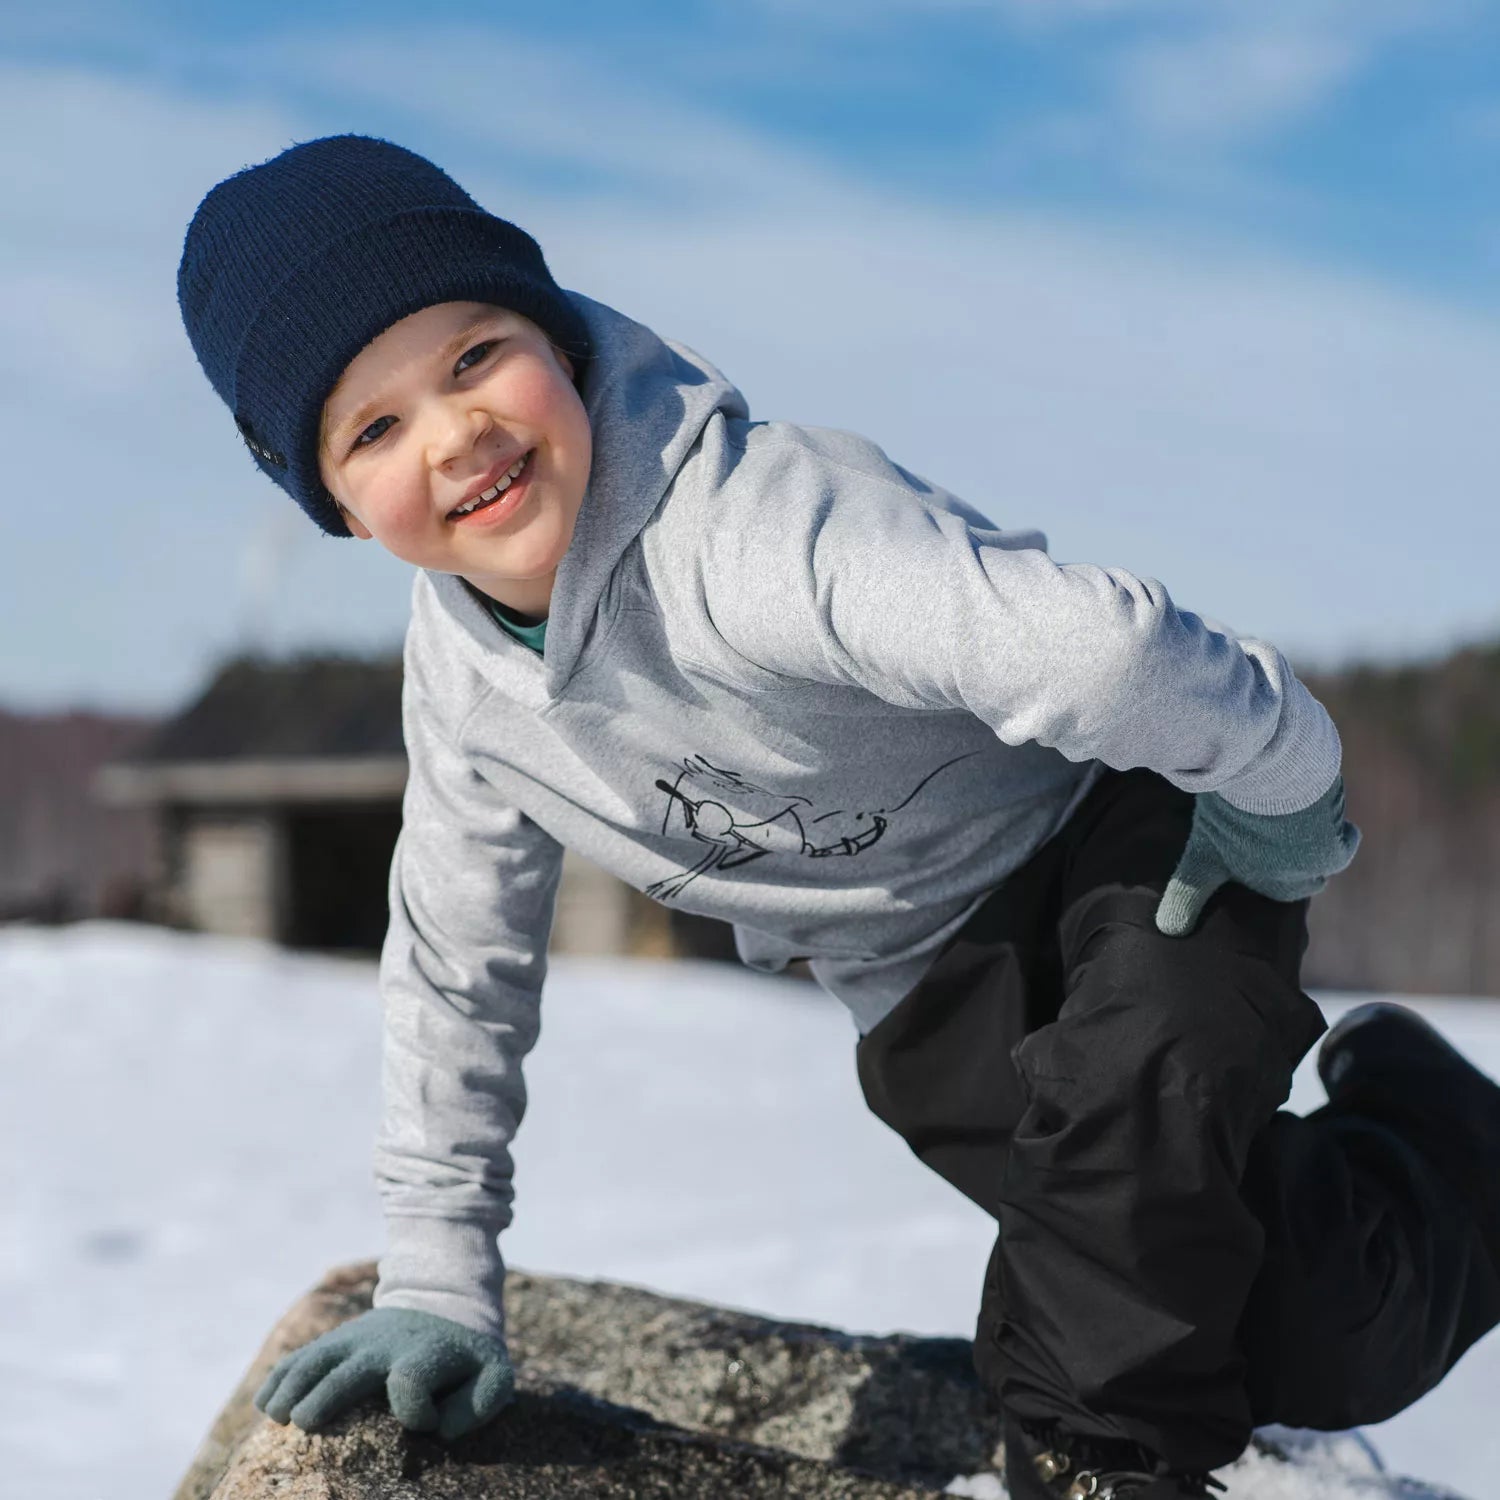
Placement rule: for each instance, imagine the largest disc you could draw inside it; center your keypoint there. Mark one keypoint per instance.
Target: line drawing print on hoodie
(736, 838)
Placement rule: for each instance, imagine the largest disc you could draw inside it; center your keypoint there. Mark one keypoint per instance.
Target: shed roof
(315, 729)
(339, 707)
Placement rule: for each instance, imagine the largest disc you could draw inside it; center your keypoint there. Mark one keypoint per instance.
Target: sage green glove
(1285, 856)
(415, 1356)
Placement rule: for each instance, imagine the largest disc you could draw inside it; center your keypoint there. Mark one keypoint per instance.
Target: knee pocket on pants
(1216, 1010)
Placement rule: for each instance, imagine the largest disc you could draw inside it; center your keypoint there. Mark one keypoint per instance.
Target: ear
(564, 361)
(355, 525)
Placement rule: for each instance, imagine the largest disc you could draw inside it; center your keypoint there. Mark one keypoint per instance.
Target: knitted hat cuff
(315, 321)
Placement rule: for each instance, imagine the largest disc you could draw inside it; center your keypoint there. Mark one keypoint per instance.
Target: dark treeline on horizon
(1419, 909)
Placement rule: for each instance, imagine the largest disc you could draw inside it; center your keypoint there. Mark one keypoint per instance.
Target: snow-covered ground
(184, 1147)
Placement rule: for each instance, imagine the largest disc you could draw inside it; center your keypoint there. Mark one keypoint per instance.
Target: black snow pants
(1179, 1259)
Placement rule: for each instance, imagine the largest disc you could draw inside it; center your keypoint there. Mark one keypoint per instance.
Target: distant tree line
(1419, 909)
(62, 855)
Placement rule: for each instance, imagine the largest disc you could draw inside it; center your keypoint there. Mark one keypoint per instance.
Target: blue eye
(480, 349)
(360, 442)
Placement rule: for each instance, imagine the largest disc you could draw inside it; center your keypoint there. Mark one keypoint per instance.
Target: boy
(1049, 838)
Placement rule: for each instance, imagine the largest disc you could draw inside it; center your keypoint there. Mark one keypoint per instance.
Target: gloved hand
(1285, 856)
(415, 1356)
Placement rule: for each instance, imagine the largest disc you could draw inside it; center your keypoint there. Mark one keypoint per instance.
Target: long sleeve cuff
(450, 1267)
(1297, 765)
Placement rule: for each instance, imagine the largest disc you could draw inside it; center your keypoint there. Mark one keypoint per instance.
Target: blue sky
(1202, 289)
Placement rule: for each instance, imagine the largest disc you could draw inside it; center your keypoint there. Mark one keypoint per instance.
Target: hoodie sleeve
(842, 574)
(472, 887)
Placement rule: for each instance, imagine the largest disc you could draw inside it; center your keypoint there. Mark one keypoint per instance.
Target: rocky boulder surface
(621, 1392)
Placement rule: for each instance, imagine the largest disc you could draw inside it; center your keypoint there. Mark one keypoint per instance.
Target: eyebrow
(363, 415)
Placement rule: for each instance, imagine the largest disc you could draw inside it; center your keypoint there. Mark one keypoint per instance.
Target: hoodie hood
(648, 400)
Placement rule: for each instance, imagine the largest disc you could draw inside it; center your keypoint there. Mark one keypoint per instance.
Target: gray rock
(622, 1392)
(627, 1395)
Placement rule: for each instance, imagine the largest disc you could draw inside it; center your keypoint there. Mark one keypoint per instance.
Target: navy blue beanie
(291, 267)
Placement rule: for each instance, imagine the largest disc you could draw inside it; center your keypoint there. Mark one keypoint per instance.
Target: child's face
(438, 408)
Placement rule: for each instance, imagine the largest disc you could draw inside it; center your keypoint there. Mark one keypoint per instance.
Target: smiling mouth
(495, 491)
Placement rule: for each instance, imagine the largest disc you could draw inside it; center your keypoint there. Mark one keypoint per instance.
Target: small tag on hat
(257, 447)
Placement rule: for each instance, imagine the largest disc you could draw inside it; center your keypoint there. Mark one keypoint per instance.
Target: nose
(454, 432)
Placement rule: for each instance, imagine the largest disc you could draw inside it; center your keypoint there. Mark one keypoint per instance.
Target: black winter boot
(1384, 1045)
(1385, 1061)
(1043, 1461)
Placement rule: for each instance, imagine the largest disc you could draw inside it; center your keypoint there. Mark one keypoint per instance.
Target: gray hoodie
(786, 683)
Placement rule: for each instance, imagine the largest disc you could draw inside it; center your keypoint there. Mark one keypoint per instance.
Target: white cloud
(573, 116)
(1221, 74)
(1192, 77)
(1296, 451)
(1359, 15)
(1224, 87)
(1042, 14)
(96, 208)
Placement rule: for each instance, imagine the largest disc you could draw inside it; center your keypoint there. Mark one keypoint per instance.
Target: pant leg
(938, 1068)
(1126, 1253)
(1375, 1278)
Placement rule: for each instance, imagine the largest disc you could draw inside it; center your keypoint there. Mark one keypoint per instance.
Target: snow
(184, 1148)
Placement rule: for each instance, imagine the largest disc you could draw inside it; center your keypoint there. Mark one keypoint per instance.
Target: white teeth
(494, 489)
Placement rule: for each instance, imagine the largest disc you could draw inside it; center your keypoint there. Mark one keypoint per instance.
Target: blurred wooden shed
(276, 797)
